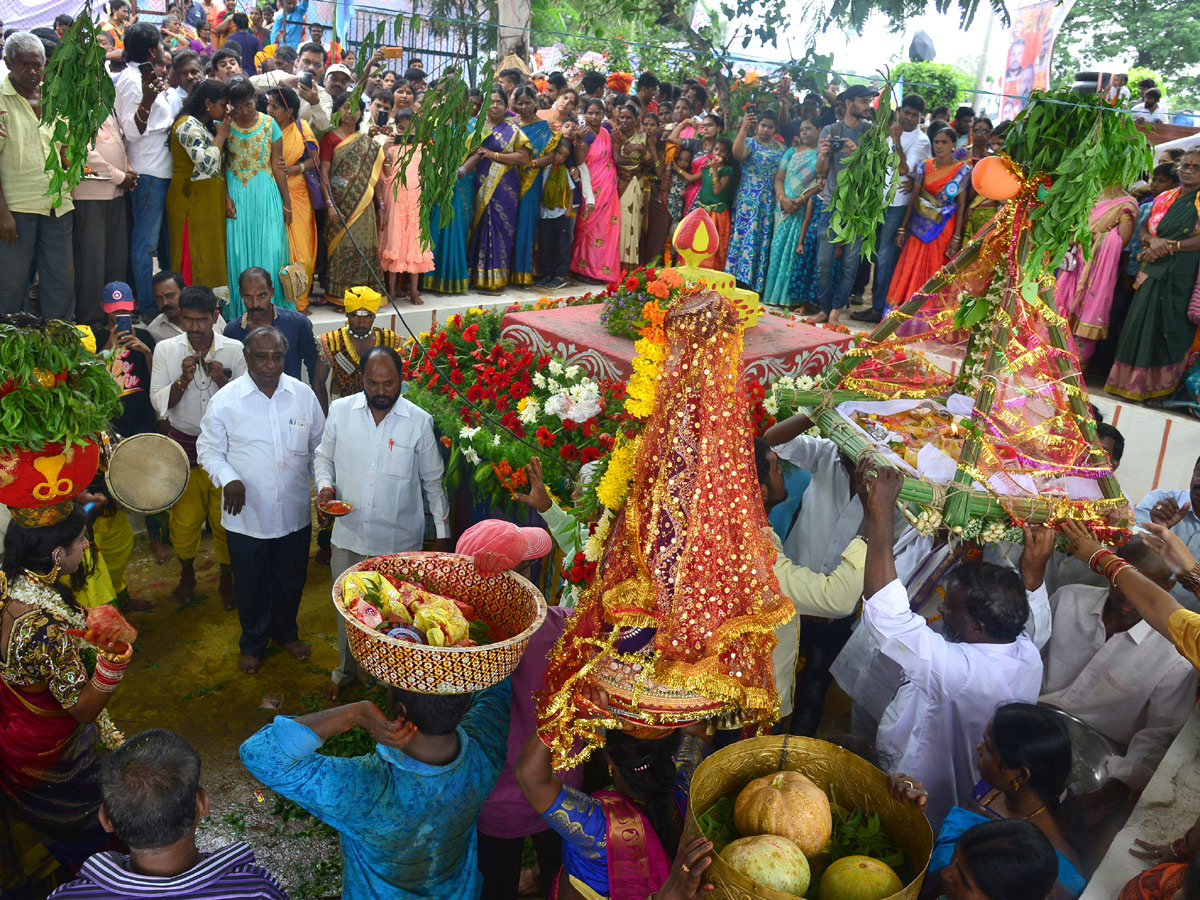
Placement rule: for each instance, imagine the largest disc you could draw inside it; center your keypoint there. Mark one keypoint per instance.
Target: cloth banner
(1027, 66)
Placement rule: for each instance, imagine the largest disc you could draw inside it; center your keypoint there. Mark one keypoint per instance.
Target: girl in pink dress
(400, 248)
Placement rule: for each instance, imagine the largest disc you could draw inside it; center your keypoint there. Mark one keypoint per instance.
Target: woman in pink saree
(618, 844)
(595, 254)
(1084, 294)
(700, 140)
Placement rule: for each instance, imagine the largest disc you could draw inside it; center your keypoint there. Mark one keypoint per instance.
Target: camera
(835, 144)
(305, 78)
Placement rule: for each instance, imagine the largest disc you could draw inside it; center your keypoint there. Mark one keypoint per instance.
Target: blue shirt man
(407, 827)
(291, 17)
(1176, 509)
(256, 288)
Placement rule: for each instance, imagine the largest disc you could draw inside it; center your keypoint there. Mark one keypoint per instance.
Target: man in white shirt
(1176, 509)
(378, 453)
(257, 442)
(316, 105)
(189, 369)
(1104, 664)
(144, 110)
(953, 683)
(167, 287)
(1150, 109)
(910, 148)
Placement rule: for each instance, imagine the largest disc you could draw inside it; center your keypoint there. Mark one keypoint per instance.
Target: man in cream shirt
(378, 453)
(189, 369)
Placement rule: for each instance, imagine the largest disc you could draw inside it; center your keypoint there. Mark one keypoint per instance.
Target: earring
(52, 576)
(1016, 785)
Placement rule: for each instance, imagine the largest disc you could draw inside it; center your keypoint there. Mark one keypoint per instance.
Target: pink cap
(506, 540)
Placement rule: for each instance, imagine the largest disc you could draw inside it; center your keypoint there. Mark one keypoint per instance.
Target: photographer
(302, 74)
(837, 142)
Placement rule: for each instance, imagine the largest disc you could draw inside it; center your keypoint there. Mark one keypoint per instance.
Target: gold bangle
(114, 658)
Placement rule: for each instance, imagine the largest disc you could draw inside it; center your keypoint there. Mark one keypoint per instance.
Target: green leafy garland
(1083, 146)
(78, 95)
(51, 387)
(864, 192)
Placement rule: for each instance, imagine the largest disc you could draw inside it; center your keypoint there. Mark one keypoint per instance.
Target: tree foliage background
(1161, 36)
(952, 82)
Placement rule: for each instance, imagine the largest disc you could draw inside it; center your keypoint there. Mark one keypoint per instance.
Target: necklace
(40, 596)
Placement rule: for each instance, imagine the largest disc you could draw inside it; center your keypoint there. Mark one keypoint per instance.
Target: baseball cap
(338, 67)
(505, 539)
(855, 91)
(118, 297)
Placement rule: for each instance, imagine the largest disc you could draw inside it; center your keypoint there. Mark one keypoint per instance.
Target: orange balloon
(993, 179)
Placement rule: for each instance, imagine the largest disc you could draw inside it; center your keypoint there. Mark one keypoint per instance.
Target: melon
(787, 804)
(771, 861)
(858, 878)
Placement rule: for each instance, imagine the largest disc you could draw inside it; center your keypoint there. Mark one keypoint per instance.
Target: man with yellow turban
(340, 354)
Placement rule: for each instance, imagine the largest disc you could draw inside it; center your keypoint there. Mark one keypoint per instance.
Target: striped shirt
(226, 874)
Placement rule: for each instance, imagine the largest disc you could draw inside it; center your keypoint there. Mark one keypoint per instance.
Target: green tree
(1158, 35)
(951, 82)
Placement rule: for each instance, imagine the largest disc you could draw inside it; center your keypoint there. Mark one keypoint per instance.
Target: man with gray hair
(257, 442)
(30, 224)
(152, 800)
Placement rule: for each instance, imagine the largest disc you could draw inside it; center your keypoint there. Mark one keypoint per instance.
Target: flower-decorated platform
(775, 346)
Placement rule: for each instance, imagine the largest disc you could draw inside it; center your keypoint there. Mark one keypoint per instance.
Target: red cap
(505, 539)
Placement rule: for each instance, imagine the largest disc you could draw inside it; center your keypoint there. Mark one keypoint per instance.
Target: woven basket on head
(507, 601)
(848, 779)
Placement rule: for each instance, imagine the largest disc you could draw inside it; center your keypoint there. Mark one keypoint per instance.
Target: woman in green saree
(1152, 350)
(351, 163)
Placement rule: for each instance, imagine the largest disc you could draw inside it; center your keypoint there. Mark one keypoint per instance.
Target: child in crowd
(400, 248)
(716, 197)
(556, 226)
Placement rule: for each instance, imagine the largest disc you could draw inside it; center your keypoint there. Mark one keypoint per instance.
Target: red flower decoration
(569, 452)
(590, 454)
(545, 437)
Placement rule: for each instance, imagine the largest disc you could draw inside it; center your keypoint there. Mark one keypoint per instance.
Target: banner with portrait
(1027, 65)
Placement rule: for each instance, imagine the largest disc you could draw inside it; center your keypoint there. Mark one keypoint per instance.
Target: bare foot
(324, 555)
(299, 649)
(225, 587)
(185, 590)
(136, 604)
(818, 319)
(162, 552)
(416, 299)
(249, 664)
(835, 318)
(333, 690)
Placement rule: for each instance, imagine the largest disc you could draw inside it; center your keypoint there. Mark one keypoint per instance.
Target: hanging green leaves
(864, 192)
(1084, 146)
(77, 96)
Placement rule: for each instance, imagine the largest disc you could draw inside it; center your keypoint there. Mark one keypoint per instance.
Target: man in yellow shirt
(29, 222)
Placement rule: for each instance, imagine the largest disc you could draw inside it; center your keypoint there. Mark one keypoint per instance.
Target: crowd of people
(222, 156)
(955, 656)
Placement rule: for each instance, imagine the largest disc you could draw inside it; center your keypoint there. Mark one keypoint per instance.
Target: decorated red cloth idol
(679, 622)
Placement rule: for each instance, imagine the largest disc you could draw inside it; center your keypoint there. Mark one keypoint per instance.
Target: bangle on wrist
(1191, 578)
(116, 659)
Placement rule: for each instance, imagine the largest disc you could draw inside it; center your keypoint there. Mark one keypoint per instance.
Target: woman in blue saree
(497, 167)
(450, 274)
(542, 141)
(1026, 750)
(792, 274)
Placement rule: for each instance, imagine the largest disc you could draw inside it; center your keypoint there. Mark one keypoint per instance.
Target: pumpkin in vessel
(858, 878)
(770, 860)
(787, 804)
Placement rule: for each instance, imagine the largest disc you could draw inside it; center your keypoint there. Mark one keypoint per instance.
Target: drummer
(378, 453)
(128, 352)
(188, 371)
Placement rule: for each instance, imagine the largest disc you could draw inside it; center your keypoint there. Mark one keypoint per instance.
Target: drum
(147, 473)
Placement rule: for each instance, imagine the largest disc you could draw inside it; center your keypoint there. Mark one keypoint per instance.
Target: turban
(362, 297)
(620, 81)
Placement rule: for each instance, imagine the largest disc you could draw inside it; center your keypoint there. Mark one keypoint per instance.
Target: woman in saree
(258, 204)
(563, 110)
(754, 205)
(497, 166)
(656, 178)
(1024, 762)
(1084, 294)
(52, 716)
(630, 154)
(1152, 351)
(935, 218)
(300, 155)
(543, 138)
(196, 195)
(595, 253)
(792, 273)
(400, 247)
(351, 165)
(618, 844)
(702, 146)
(450, 274)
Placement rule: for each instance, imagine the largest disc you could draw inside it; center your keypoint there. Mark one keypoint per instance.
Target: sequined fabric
(688, 559)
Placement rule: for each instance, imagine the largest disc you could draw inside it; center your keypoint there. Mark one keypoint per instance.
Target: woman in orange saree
(935, 219)
(299, 155)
